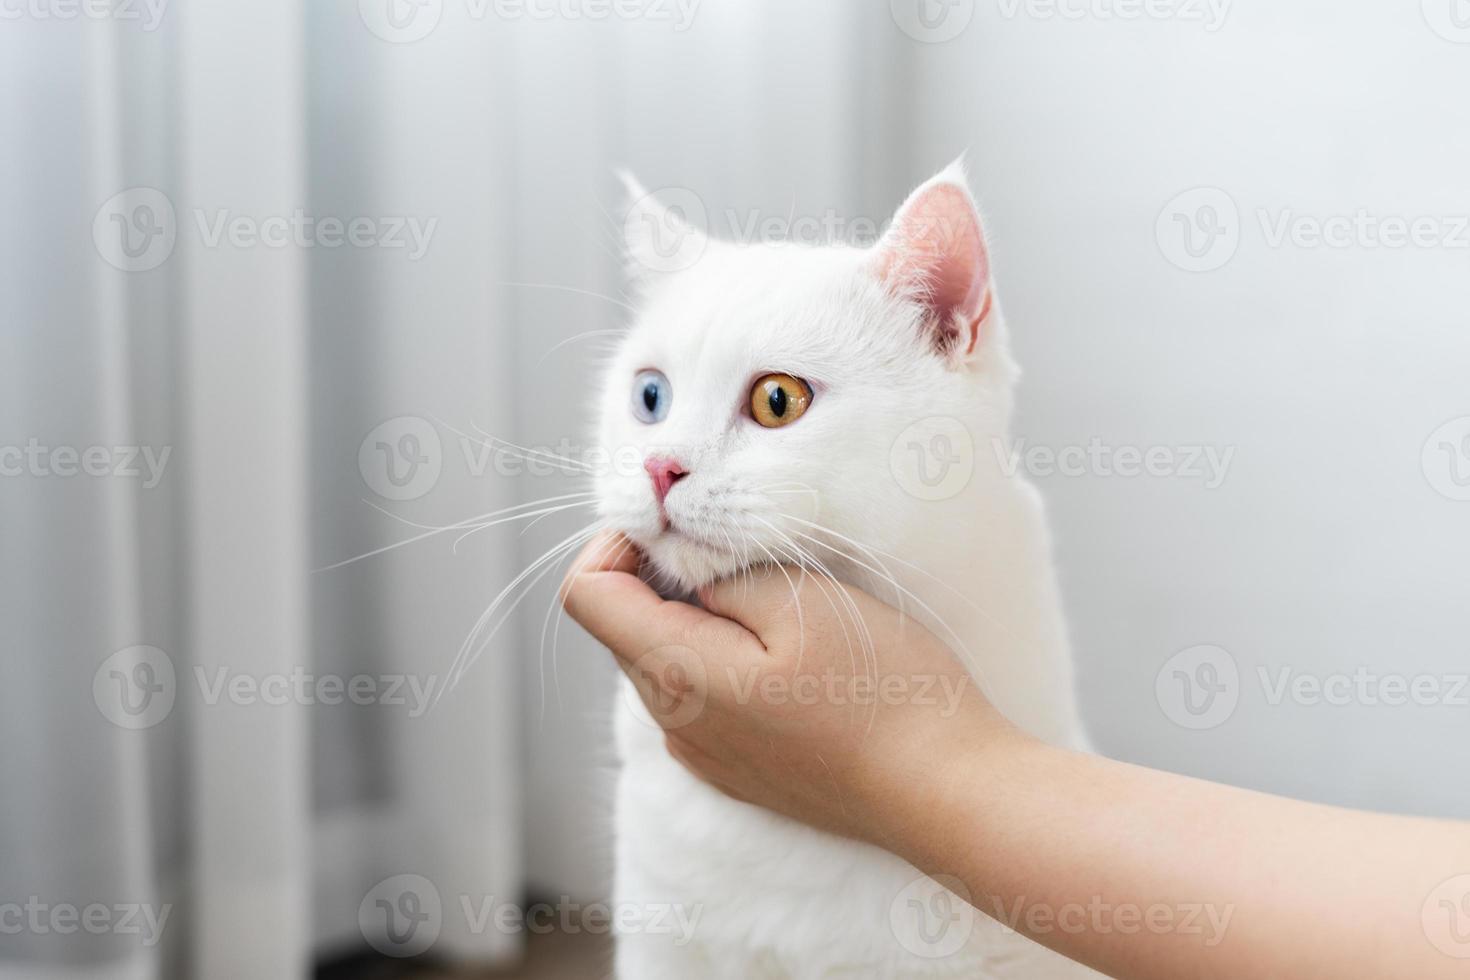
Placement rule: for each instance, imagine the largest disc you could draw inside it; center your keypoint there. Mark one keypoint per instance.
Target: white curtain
(257, 824)
(166, 746)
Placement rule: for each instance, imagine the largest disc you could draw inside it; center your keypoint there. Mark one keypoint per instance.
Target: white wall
(1327, 369)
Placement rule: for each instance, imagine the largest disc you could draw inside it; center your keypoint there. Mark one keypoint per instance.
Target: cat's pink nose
(664, 471)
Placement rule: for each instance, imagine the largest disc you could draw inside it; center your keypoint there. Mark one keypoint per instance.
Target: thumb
(603, 592)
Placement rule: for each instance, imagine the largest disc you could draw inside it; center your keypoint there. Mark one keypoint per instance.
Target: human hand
(839, 712)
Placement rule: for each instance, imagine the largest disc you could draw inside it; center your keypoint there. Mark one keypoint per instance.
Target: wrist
(938, 811)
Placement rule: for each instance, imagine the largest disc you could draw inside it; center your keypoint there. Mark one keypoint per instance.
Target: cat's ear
(661, 236)
(934, 254)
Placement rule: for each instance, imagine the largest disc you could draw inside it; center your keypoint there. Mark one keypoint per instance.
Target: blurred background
(276, 276)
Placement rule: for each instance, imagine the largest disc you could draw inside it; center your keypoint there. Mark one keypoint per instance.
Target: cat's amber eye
(779, 399)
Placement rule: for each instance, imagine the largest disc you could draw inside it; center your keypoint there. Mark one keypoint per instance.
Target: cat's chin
(680, 564)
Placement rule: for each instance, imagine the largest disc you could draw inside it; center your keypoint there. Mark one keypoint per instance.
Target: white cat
(843, 405)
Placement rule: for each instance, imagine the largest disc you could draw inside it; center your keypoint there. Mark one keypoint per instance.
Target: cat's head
(762, 393)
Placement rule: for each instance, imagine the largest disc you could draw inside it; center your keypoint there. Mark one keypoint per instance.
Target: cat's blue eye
(651, 396)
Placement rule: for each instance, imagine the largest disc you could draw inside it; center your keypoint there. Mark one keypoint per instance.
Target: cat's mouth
(671, 532)
(693, 556)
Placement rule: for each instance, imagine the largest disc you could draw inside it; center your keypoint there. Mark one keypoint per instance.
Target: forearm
(1145, 875)
(1141, 874)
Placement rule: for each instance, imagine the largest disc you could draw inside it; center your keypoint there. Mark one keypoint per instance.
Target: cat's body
(893, 481)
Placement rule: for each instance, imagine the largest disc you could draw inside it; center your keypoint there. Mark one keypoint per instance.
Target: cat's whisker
(808, 563)
(586, 334)
(497, 445)
(978, 609)
(498, 516)
(795, 596)
(542, 517)
(746, 575)
(534, 515)
(805, 558)
(553, 608)
(866, 643)
(478, 638)
(865, 639)
(877, 553)
(963, 648)
(576, 290)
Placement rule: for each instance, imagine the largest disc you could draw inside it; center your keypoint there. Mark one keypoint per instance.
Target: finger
(602, 591)
(610, 551)
(604, 594)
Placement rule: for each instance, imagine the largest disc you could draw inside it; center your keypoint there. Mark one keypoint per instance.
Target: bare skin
(1193, 879)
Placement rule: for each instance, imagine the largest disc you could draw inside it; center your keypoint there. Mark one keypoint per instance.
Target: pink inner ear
(936, 251)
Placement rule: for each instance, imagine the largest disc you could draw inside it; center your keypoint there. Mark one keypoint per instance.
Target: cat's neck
(985, 586)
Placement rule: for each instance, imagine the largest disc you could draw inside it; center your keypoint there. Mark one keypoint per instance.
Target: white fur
(776, 899)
